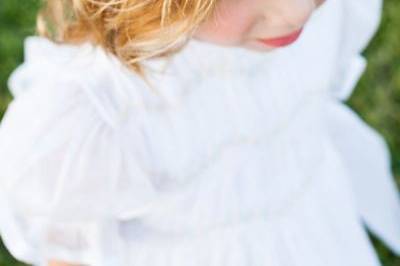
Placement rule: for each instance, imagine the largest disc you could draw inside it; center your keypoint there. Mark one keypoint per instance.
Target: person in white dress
(240, 155)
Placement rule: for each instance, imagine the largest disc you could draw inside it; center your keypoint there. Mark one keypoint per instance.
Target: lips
(283, 40)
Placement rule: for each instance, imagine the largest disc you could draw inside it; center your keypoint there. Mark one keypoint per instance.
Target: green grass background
(376, 98)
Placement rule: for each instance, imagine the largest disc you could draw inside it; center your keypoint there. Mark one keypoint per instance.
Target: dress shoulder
(110, 86)
(359, 22)
(68, 169)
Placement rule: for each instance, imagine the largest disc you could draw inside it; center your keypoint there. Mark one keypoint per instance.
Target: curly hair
(133, 30)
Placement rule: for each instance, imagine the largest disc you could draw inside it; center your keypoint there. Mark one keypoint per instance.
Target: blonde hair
(133, 30)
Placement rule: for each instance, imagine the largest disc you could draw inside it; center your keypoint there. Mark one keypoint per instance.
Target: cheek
(228, 25)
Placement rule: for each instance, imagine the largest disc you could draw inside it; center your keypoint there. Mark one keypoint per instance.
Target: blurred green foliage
(376, 98)
(17, 19)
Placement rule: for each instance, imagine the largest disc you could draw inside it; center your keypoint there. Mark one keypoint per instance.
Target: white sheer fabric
(235, 158)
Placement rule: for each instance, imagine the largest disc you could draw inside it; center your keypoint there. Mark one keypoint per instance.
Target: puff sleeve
(64, 172)
(360, 21)
(365, 153)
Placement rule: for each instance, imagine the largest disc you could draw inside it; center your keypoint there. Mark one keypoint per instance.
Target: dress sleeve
(360, 21)
(364, 151)
(66, 175)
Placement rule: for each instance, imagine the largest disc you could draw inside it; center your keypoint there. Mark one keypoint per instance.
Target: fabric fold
(367, 159)
(364, 151)
(64, 181)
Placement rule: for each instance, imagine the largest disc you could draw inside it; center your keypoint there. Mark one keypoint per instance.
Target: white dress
(236, 158)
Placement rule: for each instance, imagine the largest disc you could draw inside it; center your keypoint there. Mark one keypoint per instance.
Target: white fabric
(235, 158)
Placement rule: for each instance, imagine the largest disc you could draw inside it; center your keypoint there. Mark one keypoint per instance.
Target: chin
(255, 46)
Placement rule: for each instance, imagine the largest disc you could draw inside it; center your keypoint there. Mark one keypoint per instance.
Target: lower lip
(282, 41)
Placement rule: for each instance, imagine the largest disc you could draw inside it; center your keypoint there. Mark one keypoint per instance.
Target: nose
(289, 13)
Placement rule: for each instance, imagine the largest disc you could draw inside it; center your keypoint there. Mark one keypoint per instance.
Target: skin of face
(242, 22)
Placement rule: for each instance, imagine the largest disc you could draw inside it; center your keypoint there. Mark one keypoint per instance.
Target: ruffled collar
(202, 62)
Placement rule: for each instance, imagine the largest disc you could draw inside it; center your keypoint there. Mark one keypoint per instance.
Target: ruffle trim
(313, 232)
